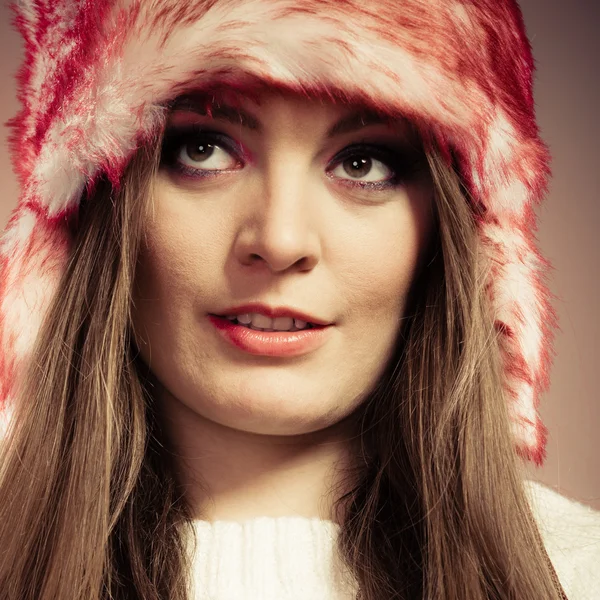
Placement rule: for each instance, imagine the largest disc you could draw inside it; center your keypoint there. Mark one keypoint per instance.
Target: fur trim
(97, 76)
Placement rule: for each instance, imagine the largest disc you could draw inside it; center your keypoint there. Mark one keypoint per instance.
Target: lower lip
(271, 343)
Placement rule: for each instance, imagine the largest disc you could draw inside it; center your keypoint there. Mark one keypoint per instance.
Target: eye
(201, 152)
(365, 168)
(198, 152)
(374, 167)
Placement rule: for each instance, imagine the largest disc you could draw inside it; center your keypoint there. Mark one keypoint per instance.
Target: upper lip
(272, 312)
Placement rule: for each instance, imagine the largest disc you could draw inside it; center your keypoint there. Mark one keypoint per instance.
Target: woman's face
(292, 203)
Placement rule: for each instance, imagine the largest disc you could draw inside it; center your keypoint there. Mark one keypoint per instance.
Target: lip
(272, 312)
(271, 343)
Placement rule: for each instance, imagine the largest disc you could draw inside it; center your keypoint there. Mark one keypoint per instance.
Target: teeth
(282, 323)
(262, 322)
(258, 321)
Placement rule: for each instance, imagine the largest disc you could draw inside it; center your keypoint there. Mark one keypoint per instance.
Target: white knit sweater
(294, 558)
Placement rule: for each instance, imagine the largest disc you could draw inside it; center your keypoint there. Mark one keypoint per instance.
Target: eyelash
(403, 163)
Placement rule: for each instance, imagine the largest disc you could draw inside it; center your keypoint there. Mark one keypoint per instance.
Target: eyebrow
(207, 107)
(202, 105)
(357, 120)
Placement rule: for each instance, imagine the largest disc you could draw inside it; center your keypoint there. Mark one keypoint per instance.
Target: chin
(275, 413)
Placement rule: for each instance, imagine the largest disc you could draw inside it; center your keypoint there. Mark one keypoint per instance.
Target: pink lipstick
(271, 343)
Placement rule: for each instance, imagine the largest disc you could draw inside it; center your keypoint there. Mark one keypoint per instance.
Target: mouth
(270, 341)
(268, 318)
(280, 324)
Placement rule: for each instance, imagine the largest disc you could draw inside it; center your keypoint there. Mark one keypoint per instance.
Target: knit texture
(571, 534)
(283, 558)
(295, 558)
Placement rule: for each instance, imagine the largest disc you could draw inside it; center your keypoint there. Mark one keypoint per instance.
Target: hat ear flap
(33, 258)
(524, 320)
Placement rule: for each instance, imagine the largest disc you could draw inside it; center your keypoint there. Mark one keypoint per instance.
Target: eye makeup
(180, 136)
(403, 160)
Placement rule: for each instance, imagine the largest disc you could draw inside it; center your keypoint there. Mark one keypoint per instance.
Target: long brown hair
(90, 507)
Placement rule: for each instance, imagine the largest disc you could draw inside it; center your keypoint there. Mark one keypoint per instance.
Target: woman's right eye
(198, 153)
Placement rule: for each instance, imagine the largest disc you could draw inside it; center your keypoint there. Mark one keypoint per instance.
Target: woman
(358, 178)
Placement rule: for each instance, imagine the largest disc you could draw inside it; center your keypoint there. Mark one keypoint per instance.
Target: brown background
(566, 47)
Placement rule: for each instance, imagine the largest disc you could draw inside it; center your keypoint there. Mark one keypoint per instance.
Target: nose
(280, 228)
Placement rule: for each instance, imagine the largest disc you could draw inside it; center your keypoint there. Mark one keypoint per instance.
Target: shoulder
(571, 534)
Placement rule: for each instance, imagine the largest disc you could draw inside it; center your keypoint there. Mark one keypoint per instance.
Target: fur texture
(97, 75)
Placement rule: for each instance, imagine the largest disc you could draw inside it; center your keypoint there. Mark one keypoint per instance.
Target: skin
(256, 435)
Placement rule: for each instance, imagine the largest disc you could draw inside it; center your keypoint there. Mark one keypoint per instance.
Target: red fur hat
(98, 75)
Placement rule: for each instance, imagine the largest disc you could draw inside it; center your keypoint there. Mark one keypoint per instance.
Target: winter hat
(98, 74)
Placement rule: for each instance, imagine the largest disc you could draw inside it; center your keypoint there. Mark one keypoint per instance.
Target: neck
(233, 475)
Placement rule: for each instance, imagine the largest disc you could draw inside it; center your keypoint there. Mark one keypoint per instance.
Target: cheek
(381, 260)
(183, 241)
(165, 269)
(377, 284)
(173, 271)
